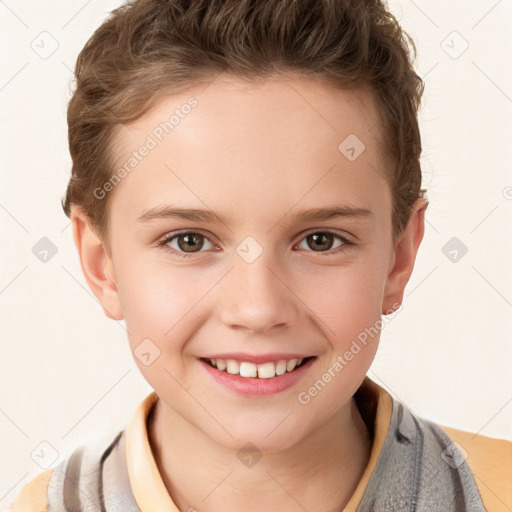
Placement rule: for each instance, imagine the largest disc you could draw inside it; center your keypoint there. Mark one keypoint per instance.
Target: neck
(319, 473)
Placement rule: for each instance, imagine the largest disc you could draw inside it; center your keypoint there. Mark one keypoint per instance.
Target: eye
(186, 242)
(323, 240)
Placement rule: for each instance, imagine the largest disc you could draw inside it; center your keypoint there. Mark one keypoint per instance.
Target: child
(281, 137)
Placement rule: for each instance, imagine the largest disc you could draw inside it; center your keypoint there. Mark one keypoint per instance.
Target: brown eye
(190, 242)
(322, 242)
(184, 244)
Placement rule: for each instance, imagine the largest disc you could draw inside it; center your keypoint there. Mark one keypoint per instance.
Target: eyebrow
(200, 215)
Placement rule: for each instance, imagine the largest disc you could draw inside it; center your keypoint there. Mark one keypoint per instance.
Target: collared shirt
(414, 465)
(150, 491)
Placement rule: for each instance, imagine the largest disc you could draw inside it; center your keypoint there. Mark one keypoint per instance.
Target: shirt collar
(147, 485)
(375, 405)
(148, 488)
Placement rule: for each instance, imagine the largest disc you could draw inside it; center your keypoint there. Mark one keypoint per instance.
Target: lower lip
(256, 386)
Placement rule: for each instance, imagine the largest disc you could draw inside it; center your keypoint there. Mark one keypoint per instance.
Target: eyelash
(347, 244)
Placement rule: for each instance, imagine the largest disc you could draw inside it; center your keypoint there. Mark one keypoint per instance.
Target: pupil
(322, 236)
(189, 242)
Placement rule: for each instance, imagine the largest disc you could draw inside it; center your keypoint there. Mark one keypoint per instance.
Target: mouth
(257, 380)
(249, 370)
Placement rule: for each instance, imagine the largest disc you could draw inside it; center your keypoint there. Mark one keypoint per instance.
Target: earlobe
(96, 265)
(402, 261)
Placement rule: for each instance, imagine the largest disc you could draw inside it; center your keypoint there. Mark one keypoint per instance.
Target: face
(294, 261)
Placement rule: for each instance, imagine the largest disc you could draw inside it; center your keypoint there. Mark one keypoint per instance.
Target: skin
(257, 153)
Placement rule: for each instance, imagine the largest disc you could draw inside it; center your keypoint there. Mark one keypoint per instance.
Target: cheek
(158, 301)
(346, 298)
(161, 305)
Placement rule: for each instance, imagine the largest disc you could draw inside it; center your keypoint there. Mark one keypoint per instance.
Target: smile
(262, 371)
(261, 379)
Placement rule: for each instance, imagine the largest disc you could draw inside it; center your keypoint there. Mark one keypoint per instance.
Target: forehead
(244, 145)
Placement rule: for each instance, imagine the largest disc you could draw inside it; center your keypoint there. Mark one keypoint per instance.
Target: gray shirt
(419, 469)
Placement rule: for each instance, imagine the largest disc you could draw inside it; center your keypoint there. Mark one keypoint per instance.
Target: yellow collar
(147, 485)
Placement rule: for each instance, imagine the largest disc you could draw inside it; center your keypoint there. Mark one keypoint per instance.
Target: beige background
(65, 368)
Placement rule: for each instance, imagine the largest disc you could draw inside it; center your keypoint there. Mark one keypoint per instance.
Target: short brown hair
(147, 47)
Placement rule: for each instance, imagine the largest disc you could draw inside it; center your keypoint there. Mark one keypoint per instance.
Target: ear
(96, 265)
(404, 256)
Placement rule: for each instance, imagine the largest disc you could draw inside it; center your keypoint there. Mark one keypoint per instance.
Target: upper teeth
(263, 371)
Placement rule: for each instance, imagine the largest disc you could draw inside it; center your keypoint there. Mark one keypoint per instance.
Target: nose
(257, 298)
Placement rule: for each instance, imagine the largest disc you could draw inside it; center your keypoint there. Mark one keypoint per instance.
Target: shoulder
(84, 464)
(425, 466)
(481, 449)
(490, 461)
(33, 497)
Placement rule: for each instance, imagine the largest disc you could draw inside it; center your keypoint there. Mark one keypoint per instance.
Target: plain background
(66, 370)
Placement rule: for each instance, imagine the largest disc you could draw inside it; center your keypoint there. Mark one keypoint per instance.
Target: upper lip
(258, 358)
